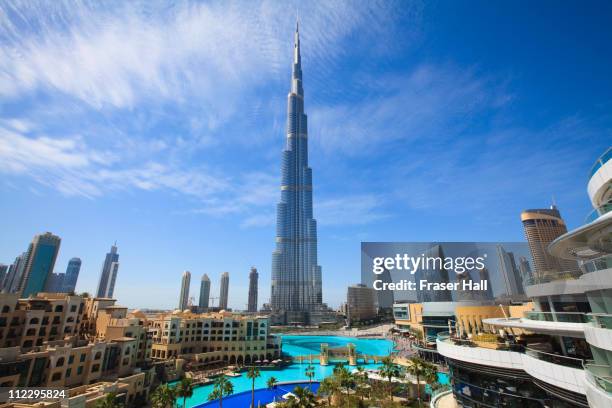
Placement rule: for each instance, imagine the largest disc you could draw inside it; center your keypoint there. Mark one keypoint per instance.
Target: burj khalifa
(296, 293)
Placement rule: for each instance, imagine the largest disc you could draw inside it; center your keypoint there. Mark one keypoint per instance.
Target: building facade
(108, 275)
(253, 278)
(184, 295)
(224, 291)
(72, 275)
(296, 288)
(361, 304)
(204, 293)
(39, 263)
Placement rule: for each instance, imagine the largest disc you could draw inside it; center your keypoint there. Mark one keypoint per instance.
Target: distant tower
(108, 275)
(253, 278)
(223, 293)
(184, 297)
(204, 292)
(13, 277)
(542, 226)
(3, 272)
(72, 274)
(39, 263)
(509, 272)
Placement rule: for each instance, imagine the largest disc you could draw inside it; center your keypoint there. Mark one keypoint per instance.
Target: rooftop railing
(596, 264)
(598, 212)
(600, 375)
(563, 317)
(557, 359)
(552, 276)
(497, 345)
(601, 161)
(601, 320)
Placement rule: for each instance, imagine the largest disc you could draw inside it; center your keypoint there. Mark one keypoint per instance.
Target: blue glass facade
(296, 276)
(41, 257)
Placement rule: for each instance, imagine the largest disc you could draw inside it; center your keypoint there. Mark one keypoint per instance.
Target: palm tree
(389, 370)
(222, 388)
(253, 373)
(346, 380)
(271, 383)
(328, 387)
(184, 389)
(310, 373)
(109, 401)
(163, 397)
(362, 381)
(302, 398)
(422, 369)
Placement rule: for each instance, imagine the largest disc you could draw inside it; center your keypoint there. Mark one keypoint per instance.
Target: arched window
(6, 309)
(34, 320)
(59, 308)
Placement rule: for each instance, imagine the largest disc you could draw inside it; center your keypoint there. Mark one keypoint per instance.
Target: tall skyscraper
(55, 283)
(108, 275)
(509, 272)
(204, 292)
(253, 278)
(434, 274)
(72, 274)
(13, 277)
(224, 292)
(296, 276)
(39, 263)
(184, 297)
(542, 226)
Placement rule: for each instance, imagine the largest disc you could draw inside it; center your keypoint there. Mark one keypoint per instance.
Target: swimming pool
(262, 396)
(295, 346)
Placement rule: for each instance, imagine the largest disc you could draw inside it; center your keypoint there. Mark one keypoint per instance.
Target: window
(6, 309)
(80, 370)
(95, 368)
(70, 359)
(83, 357)
(73, 308)
(60, 362)
(56, 377)
(68, 372)
(98, 356)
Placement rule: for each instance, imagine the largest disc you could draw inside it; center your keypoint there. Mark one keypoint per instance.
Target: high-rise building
(108, 275)
(224, 291)
(39, 263)
(72, 274)
(360, 303)
(204, 292)
(253, 278)
(543, 226)
(55, 283)
(13, 277)
(3, 272)
(435, 274)
(509, 273)
(296, 276)
(184, 297)
(524, 268)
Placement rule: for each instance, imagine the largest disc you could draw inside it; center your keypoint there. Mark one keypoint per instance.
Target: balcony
(552, 276)
(599, 332)
(562, 317)
(600, 375)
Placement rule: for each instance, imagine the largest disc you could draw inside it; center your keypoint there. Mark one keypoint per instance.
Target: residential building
(253, 278)
(39, 263)
(204, 293)
(224, 291)
(361, 303)
(296, 289)
(108, 274)
(184, 296)
(213, 338)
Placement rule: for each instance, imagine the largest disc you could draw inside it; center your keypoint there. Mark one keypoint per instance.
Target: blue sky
(160, 125)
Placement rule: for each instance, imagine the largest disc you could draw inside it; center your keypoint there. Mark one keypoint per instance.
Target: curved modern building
(296, 289)
(559, 354)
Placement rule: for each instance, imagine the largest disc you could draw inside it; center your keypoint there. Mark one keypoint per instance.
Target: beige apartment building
(222, 337)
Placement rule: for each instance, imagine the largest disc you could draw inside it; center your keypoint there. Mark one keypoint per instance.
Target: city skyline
(398, 131)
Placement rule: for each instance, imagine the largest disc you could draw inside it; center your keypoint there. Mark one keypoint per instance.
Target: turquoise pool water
(294, 346)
